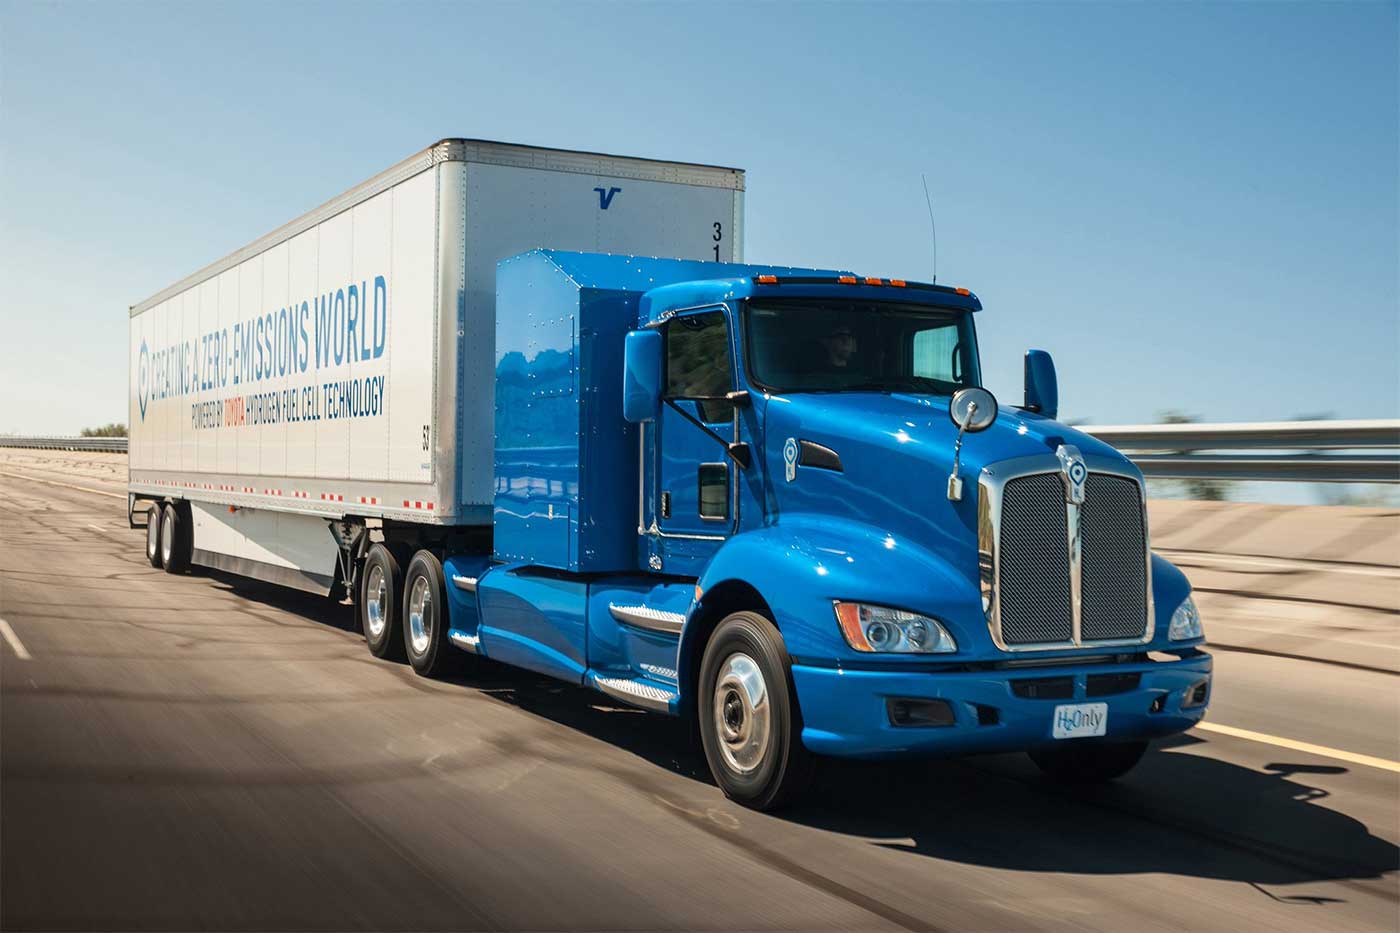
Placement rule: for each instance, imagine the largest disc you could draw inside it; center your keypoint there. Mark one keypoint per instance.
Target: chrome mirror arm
(955, 484)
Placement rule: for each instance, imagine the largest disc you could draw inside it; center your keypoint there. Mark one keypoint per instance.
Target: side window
(937, 354)
(714, 491)
(698, 362)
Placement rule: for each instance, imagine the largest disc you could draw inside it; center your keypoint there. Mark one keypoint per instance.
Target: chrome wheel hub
(420, 604)
(376, 601)
(742, 713)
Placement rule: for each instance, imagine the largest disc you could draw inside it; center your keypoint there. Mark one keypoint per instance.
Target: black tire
(1088, 763)
(176, 544)
(377, 604)
(761, 768)
(153, 519)
(425, 617)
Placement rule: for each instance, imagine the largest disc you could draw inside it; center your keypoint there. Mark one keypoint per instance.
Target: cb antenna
(933, 226)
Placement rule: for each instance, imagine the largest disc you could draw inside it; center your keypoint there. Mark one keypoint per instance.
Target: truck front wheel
(749, 720)
(1090, 763)
(378, 605)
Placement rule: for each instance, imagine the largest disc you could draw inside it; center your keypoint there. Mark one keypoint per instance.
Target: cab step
(637, 691)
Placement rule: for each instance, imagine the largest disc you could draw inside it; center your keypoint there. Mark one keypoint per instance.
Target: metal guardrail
(1287, 451)
(116, 445)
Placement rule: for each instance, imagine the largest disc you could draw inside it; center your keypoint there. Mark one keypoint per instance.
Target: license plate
(1078, 720)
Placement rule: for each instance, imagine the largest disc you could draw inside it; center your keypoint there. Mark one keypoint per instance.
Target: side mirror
(641, 376)
(1042, 391)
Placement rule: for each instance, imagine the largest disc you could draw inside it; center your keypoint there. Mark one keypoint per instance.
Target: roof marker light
(897, 283)
(962, 291)
(874, 281)
(767, 280)
(846, 279)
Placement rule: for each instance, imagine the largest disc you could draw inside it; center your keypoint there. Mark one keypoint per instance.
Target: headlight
(880, 629)
(1186, 622)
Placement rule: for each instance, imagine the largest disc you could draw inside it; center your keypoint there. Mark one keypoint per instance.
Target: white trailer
(335, 378)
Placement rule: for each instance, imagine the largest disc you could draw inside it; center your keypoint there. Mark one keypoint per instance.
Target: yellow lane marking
(1384, 764)
(9, 635)
(49, 482)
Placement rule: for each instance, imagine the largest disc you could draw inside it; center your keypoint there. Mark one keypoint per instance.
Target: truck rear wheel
(176, 546)
(378, 605)
(750, 724)
(425, 615)
(1089, 763)
(154, 516)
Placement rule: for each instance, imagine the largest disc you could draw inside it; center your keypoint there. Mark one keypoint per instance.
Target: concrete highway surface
(201, 752)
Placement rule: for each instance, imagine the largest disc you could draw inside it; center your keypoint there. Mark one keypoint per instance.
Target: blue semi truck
(777, 503)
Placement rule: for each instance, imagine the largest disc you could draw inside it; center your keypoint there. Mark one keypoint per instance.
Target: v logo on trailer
(605, 196)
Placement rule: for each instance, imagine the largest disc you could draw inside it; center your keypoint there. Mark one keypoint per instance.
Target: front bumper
(845, 713)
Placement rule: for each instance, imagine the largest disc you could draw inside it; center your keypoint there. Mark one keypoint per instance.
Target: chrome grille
(1113, 593)
(1033, 576)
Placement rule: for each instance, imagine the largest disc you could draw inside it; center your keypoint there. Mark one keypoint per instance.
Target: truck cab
(780, 503)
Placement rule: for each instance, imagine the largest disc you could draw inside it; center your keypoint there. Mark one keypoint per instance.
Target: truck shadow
(1180, 811)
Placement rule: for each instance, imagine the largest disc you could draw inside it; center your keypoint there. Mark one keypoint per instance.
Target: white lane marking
(1385, 764)
(13, 640)
(1280, 563)
(49, 482)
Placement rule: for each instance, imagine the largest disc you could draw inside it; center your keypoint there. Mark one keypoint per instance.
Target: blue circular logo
(142, 378)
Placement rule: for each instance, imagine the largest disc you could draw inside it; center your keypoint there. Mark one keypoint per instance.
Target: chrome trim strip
(990, 487)
(464, 583)
(653, 620)
(655, 530)
(629, 691)
(471, 643)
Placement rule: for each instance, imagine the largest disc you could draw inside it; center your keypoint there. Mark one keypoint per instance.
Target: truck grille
(1113, 588)
(1035, 598)
(1035, 573)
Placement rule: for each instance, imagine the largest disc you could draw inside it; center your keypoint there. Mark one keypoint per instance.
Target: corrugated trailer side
(338, 373)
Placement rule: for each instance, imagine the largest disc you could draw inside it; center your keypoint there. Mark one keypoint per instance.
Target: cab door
(693, 498)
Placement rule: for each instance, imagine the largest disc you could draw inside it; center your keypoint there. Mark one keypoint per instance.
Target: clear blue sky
(1193, 206)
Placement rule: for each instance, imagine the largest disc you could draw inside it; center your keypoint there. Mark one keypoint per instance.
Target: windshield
(823, 345)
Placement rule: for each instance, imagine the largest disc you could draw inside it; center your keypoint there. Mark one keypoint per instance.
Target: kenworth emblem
(605, 196)
(790, 459)
(1073, 472)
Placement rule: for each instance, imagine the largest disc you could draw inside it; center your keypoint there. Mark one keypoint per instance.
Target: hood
(896, 452)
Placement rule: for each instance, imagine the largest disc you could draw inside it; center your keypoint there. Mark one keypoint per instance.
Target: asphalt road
(201, 752)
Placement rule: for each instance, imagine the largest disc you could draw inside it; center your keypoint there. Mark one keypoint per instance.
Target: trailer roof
(454, 149)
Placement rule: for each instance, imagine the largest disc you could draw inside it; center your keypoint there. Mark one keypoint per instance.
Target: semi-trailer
(776, 502)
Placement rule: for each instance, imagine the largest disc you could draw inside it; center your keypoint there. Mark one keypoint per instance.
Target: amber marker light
(897, 283)
(846, 279)
(767, 280)
(874, 281)
(848, 614)
(962, 291)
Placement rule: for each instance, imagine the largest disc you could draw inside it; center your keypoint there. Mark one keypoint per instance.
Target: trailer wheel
(176, 544)
(378, 605)
(1090, 763)
(154, 517)
(750, 723)
(425, 619)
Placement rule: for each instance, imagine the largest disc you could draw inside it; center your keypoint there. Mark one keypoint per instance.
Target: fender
(1169, 588)
(805, 561)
